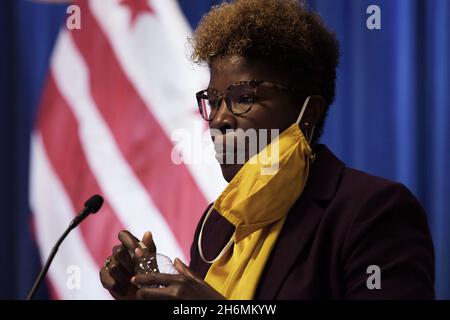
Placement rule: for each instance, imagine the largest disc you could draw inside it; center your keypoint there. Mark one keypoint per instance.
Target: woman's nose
(224, 119)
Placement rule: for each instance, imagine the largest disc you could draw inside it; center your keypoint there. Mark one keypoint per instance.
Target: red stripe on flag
(53, 293)
(59, 129)
(138, 134)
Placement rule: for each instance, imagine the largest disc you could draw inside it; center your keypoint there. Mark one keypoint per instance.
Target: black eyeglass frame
(225, 95)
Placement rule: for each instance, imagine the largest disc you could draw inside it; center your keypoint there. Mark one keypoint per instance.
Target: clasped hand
(119, 278)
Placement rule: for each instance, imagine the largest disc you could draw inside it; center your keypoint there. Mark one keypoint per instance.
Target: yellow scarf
(256, 202)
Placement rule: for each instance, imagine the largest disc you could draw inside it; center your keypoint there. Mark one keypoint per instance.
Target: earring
(306, 124)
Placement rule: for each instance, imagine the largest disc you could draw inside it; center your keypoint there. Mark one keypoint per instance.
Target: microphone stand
(91, 206)
(50, 258)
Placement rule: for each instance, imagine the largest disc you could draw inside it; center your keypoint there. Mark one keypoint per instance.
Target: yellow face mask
(256, 201)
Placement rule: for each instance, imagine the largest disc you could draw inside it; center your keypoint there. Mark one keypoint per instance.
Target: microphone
(92, 205)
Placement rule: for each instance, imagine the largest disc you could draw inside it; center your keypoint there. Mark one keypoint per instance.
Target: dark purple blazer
(344, 221)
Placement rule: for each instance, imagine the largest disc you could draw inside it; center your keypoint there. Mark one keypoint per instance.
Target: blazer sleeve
(388, 251)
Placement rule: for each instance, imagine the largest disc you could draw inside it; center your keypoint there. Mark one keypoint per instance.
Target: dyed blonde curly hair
(283, 33)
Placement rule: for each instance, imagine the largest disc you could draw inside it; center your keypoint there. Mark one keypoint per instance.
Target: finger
(183, 269)
(128, 240)
(123, 256)
(110, 284)
(138, 252)
(147, 240)
(156, 279)
(105, 278)
(118, 272)
(155, 294)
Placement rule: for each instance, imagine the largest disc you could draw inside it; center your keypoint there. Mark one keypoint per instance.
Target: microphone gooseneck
(92, 205)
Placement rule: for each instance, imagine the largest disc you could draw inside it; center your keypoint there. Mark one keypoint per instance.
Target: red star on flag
(137, 7)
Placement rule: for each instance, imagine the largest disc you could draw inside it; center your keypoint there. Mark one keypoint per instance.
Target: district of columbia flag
(119, 94)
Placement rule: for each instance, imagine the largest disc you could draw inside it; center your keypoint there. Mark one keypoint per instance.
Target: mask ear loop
(199, 242)
(311, 135)
(300, 116)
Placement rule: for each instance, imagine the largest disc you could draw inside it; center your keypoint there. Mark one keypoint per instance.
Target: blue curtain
(390, 118)
(27, 34)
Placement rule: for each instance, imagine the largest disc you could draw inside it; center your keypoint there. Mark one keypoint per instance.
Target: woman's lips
(228, 149)
(235, 147)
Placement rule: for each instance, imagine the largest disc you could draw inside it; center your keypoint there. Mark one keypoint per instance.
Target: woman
(313, 229)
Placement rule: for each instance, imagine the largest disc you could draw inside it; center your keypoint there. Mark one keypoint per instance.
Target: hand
(119, 268)
(186, 285)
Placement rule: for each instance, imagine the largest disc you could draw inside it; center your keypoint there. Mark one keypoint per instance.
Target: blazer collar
(324, 175)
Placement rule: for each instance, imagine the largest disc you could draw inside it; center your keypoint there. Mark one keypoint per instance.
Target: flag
(118, 117)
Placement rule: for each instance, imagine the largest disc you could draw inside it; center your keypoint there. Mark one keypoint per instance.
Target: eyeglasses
(239, 97)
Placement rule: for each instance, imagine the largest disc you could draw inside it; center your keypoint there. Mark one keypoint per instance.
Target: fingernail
(133, 280)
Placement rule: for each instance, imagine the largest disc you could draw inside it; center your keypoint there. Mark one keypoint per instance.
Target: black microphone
(92, 205)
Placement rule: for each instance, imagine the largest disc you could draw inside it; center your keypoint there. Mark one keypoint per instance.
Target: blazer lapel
(301, 223)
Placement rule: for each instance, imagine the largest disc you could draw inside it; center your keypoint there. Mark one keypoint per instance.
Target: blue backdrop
(391, 116)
